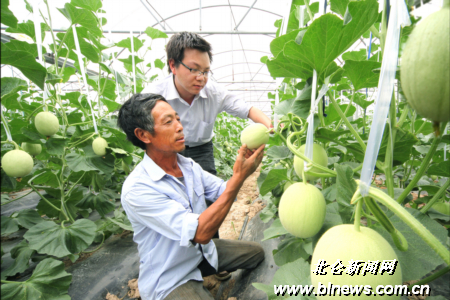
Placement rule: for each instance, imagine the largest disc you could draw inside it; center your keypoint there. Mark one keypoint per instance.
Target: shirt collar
(173, 93)
(156, 173)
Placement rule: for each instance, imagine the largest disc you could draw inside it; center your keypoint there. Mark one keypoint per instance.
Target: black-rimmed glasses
(196, 72)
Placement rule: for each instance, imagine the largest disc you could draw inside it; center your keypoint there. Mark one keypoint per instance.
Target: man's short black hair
(185, 40)
(136, 112)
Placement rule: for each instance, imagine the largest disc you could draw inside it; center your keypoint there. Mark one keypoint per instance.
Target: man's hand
(247, 161)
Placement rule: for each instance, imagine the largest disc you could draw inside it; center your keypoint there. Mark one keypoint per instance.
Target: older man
(164, 198)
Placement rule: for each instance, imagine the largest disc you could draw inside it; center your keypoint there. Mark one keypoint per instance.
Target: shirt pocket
(205, 130)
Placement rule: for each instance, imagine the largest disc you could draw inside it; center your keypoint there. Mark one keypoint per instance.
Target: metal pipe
(236, 28)
(200, 11)
(148, 9)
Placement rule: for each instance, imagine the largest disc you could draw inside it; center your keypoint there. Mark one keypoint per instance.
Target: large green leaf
(299, 108)
(26, 63)
(345, 189)
(81, 16)
(277, 44)
(283, 66)
(87, 160)
(28, 29)
(28, 218)
(49, 281)
(339, 6)
(440, 169)
(159, 64)
(155, 33)
(274, 177)
(420, 258)
(360, 100)
(126, 43)
(404, 142)
(100, 202)
(93, 5)
(333, 115)
(10, 86)
(7, 16)
(279, 152)
(355, 55)
(9, 225)
(275, 230)
(52, 239)
(329, 36)
(87, 49)
(289, 250)
(360, 73)
(21, 254)
(16, 45)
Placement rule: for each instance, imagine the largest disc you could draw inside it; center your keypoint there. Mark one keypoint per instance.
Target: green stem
(62, 41)
(74, 185)
(421, 126)
(421, 171)
(321, 118)
(389, 159)
(51, 31)
(374, 31)
(412, 222)
(403, 116)
(103, 240)
(40, 195)
(80, 142)
(4, 121)
(436, 197)
(358, 210)
(81, 123)
(17, 198)
(431, 277)
(383, 31)
(346, 111)
(309, 11)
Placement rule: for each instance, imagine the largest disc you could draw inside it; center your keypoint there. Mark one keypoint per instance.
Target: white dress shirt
(199, 117)
(164, 214)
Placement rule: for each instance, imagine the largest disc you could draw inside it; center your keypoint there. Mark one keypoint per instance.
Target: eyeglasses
(196, 72)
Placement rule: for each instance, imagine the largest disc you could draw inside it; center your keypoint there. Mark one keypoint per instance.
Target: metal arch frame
(214, 6)
(238, 63)
(241, 50)
(243, 73)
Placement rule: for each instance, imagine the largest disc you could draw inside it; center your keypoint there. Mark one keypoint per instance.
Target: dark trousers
(232, 255)
(204, 156)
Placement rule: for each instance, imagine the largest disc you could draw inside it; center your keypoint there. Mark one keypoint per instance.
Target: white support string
(8, 134)
(38, 36)
(398, 17)
(83, 73)
(132, 57)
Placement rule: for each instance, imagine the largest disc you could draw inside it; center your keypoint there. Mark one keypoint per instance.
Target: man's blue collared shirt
(164, 215)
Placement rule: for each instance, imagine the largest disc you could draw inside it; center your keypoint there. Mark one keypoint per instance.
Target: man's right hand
(247, 161)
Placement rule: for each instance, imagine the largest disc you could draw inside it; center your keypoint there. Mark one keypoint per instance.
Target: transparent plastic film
(38, 34)
(398, 17)
(83, 73)
(5, 125)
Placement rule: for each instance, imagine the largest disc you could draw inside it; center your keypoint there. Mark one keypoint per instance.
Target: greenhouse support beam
(148, 9)
(250, 8)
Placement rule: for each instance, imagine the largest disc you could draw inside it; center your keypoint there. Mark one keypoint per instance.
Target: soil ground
(247, 204)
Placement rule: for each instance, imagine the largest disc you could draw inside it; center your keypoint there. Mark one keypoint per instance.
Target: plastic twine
(83, 73)
(8, 134)
(38, 35)
(398, 17)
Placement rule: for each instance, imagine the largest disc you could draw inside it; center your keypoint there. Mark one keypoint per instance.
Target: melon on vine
(424, 69)
(345, 244)
(319, 156)
(442, 207)
(302, 209)
(99, 145)
(17, 163)
(255, 135)
(46, 123)
(32, 149)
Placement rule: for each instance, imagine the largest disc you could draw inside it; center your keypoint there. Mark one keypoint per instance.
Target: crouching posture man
(164, 198)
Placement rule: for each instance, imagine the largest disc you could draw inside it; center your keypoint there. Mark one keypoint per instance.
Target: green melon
(424, 68)
(99, 145)
(302, 209)
(255, 135)
(17, 163)
(319, 156)
(32, 149)
(344, 243)
(46, 123)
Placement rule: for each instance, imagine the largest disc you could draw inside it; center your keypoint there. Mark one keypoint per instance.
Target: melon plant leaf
(100, 202)
(299, 108)
(111, 105)
(345, 189)
(7, 16)
(50, 238)
(55, 145)
(289, 250)
(87, 160)
(126, 43)
(159, 64)
(67, 73)
(404, 142)
(274, 231)
(54, 197)
(360, 100)
(92, 5)
(426, 129)
(339, 6)
(21, 254)
(274, 177)
(81, 16)
(283, 66)
(87, 49)
(122, 224)
(155, 33)
(27, 28)
(129, 60)
(420, 258)
(7, 184)
(360, 73)
(355, 55)
(11, 85)
(28, 218)
(328, 36)
(16, 45)
(279, 152)
(440, 169)
(277, 44)
(49, 281)
(333, 115)
(26, 63)
(9, 225)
